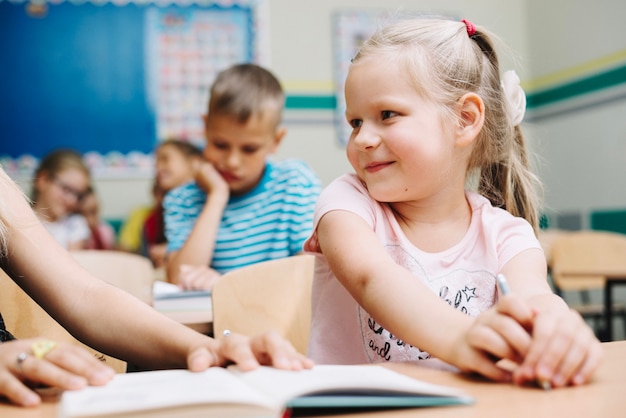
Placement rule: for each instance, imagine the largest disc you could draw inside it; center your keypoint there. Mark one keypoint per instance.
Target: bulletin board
(112, 79)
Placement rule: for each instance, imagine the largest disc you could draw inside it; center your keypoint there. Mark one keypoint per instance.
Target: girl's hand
(501, 332)
(249, 352)
(564, 349)
(197, 277)
(65, 367)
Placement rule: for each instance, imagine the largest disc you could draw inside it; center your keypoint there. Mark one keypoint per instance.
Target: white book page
(289, 384)
(159, 389)
(160, 289)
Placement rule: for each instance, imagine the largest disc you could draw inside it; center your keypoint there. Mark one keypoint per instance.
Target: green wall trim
(609, 220)
(320, 102)
(592, 83)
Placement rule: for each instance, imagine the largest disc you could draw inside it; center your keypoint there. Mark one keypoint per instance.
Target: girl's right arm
(405, 306)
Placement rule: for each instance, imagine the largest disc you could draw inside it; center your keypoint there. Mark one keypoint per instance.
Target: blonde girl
(407, 250)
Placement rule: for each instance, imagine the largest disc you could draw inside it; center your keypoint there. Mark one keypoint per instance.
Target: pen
(503, 285)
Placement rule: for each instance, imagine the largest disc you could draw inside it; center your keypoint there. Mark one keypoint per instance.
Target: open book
(263, 392)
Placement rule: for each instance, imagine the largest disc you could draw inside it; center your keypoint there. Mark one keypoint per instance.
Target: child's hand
(209, 179)
(197, 277)
(65, 366)
(564, 349)
(498, 333)
(249, 352)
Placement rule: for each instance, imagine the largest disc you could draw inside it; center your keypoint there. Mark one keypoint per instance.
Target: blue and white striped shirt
(271, 221)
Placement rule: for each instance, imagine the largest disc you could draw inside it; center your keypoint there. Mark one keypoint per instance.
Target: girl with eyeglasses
(60, 183)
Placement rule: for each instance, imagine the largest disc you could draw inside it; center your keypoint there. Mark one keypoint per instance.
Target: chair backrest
(269, 296)
(24, 318)
(582, 259)
(131, 272)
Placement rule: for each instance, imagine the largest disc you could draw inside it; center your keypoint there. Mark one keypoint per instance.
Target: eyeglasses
(70, 191)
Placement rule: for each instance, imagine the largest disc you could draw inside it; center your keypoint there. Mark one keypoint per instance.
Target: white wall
(301, 51)
(301, 56)
(583, 152)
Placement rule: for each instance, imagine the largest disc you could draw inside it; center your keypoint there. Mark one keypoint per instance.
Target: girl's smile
(377, 166)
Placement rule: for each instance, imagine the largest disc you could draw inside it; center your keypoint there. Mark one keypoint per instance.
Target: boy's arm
(200, 244)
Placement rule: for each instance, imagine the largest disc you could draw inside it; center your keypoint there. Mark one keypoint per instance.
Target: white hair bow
(514, 97)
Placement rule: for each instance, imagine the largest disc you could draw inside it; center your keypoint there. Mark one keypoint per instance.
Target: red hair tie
(471, 29)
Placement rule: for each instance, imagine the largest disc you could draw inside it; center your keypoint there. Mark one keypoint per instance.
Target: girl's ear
(471, 118)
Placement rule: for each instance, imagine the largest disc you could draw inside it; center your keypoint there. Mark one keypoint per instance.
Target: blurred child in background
(152, 238)
(131, 233)
(60, 183)
(102, 234)
(243, 207)
(176, 163)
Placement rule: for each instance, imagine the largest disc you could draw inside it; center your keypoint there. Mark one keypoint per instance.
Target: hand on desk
(250, 352)
(23, 366)
(63, 366)
(564, 349)
(551, 344)
(501, 332)
(197, 277)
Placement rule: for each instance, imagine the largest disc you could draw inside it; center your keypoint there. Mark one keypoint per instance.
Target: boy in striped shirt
(243, 208)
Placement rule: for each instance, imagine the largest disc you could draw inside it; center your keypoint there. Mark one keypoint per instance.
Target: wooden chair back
(24, 318)
(269, 296)
(582, 260)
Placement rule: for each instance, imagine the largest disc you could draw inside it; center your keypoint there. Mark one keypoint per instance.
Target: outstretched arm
(90, 310)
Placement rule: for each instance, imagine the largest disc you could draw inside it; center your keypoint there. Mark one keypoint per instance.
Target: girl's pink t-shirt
(463, 275)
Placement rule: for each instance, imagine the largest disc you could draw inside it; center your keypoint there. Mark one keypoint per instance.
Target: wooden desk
(604, 397)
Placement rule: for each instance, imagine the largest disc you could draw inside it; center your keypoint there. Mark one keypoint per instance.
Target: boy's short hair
(244, 90)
